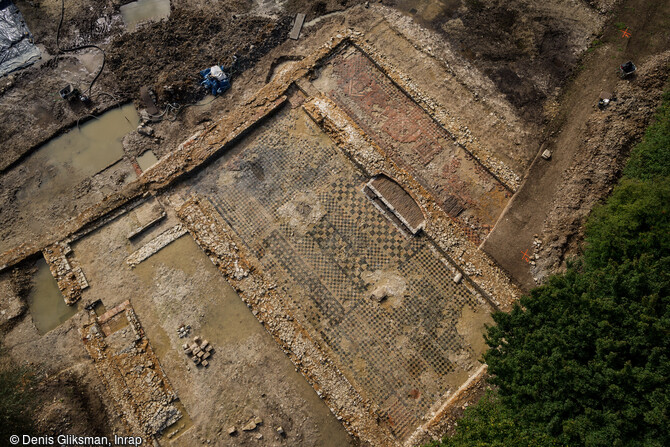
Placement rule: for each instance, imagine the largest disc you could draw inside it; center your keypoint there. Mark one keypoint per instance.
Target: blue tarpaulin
(215, 80)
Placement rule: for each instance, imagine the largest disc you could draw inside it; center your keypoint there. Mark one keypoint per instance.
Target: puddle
(45, 302)
(95, 145)
(147, 160)
(229, 323)
(144, 10)
(66, 167)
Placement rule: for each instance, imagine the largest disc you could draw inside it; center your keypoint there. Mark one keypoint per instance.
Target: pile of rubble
(71, 280)
(184, 330)
(199, 351)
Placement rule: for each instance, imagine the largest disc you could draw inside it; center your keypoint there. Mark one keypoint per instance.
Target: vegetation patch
(17, 397)
(584, 359)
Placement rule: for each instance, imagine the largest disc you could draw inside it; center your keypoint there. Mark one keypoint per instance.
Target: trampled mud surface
(171, 68)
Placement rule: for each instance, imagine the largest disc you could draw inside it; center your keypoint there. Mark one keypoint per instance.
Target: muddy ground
(528, 52)
(589, 147)
(248, 376)
(166, 57)
(68, 401)
(221, 37)
(608, 140)
(67, 392)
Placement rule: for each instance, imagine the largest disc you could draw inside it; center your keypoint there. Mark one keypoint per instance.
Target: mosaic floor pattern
(465, 189)
(382, 302)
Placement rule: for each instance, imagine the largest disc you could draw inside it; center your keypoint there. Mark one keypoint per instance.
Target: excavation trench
(45, 302)
(73, 170)
(144, 10)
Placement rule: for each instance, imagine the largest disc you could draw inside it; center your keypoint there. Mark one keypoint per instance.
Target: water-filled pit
(45, 302)
(144, 10)
(82, 165)
(147, 160)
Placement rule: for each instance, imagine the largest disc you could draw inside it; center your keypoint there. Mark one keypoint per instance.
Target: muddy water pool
(45, 302)
(144, 10)
(94, 145)
(147, 160)
(55, 181)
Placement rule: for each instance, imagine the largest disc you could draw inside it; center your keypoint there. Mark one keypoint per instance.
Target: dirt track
(588, 146)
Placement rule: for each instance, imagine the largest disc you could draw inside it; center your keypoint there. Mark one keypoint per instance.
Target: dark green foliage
(633, 223)
(651, 158)
(585, 359)
(16, 401)
(586, 355)
(489, 423)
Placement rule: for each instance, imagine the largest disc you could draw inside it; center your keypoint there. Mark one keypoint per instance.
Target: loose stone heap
(199, 351)
(71, 280)
(183, 331)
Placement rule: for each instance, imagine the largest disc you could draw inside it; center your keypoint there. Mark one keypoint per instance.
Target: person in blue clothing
(215, 79)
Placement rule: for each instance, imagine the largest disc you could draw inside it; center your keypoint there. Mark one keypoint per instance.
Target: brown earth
(608, 140)
(525, 50)
(68, 403)
(527, 64)
(68, 394)
(220, 36)
(588, 146)
(34, 111)
(527, 53)
(15, 284)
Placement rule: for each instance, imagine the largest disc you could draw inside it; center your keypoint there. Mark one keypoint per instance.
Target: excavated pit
(45, 302)
(320, 225)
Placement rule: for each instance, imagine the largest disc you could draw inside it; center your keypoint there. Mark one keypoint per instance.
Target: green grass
(595, 44)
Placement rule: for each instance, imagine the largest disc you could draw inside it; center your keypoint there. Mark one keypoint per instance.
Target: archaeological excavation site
(289, 222)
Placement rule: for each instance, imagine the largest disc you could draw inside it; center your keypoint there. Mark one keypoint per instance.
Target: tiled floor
(415, 141)
(330, 250)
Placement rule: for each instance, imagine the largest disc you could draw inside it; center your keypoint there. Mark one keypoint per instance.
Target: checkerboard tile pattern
(417, 143)
(396, 352)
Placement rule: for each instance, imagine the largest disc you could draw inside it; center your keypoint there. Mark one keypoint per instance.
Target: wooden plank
(297, 26)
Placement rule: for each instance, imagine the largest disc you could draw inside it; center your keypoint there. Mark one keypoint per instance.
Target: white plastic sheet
(16, 47)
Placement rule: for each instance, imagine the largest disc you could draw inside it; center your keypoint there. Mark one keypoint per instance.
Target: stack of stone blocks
(199, 351)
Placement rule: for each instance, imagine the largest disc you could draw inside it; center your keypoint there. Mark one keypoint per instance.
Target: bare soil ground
(158, 55)
(588, 146)
(525, 50)
(219, 36)
(248, 376)
(32, 109)
(69, 396)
